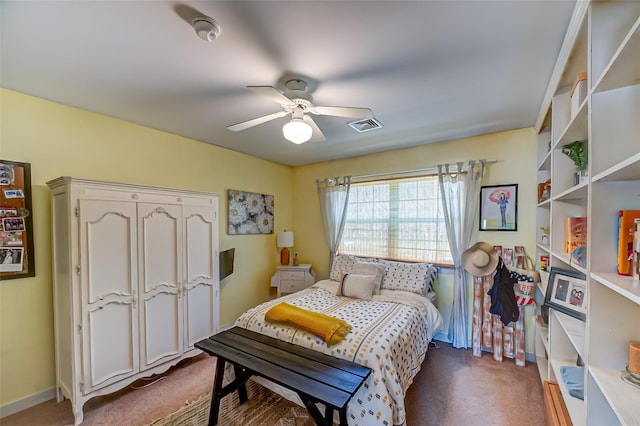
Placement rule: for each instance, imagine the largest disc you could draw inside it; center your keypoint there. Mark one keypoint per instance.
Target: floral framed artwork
(499, 208)
(567, 292)
(16, 222)
(250, 213)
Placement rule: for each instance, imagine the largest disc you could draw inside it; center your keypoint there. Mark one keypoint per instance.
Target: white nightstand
(289, 279)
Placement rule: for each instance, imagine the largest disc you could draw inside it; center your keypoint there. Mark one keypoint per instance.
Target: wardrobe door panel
(201, 289)
(160, 254)
(111, 355)
(109, 298)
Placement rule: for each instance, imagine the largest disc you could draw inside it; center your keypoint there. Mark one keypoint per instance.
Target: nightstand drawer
(292, 275)
(292, 286)
(292, 278)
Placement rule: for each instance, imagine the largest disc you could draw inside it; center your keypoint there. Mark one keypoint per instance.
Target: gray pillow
(368, 268)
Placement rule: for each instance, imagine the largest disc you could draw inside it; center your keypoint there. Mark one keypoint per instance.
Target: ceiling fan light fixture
(297, 131)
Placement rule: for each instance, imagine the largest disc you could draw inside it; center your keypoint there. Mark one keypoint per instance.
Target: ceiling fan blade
(317, 135)
(342, 111)
(255, 121)
(271, 93)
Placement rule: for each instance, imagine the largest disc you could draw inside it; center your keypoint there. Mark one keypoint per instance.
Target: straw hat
(480, 259)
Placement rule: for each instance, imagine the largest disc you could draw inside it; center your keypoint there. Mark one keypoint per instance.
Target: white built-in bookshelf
(603, 40)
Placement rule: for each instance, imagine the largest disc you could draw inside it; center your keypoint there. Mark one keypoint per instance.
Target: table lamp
(285, 240)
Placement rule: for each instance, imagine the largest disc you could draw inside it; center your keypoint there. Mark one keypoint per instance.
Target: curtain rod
(415, 171)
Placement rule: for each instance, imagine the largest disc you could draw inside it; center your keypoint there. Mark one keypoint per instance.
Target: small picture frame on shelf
(544, 191)
(567, 292)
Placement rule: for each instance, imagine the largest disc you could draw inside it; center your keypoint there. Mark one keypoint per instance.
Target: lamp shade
(297, 131)
(285, 239)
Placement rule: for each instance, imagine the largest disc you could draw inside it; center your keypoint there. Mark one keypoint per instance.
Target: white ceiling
(430, 70)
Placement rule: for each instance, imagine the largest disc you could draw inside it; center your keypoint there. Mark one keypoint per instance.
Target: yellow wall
(515, 152)
(59, 140)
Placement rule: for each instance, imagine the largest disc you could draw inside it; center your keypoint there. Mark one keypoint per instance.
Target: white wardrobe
(135, 282)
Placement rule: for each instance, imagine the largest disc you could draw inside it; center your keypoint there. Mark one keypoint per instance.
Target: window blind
(398, 218)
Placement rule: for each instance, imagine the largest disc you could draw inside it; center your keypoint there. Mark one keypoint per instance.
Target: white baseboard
(23, 404)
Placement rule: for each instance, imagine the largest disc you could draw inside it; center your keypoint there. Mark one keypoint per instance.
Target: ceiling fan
(297, 101)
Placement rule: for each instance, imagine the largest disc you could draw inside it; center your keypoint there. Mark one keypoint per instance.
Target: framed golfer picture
(499, 208)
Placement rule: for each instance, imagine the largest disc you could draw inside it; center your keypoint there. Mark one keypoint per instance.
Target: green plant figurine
(575, 150)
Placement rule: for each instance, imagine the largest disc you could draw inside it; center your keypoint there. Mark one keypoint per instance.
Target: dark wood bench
(315, 377)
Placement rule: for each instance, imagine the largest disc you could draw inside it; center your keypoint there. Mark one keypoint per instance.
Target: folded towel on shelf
(330, 329)
(573, 378)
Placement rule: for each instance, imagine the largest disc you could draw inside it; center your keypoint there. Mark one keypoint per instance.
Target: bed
(393, 319)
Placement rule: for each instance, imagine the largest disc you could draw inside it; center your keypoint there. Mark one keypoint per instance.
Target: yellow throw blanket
(330, 329)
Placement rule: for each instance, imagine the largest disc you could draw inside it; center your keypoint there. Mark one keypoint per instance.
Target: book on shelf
(543, 261)
(575, 233)
(626, 229)
(635, 264)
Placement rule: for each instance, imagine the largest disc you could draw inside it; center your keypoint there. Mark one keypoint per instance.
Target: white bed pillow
(370, 268)
(414, 277)
(342, 264)
(358, 286)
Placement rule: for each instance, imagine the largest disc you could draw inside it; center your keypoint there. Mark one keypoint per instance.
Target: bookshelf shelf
(546, 162)
(603, 40)
(543, 247)
(577, 192)
(576, 130)
(542, 349)
(566, 343)
(567, 262)
(626, 170)
(625, 286)
(622, 397)
(545, 204)
(574, 329)
(622, 71)
(574, 405)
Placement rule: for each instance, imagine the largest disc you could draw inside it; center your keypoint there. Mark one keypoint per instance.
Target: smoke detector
(206, 28)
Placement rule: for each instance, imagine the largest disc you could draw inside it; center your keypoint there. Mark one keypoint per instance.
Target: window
(398, 219)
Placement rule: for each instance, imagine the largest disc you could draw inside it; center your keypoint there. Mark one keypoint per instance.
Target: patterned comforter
(390, 334)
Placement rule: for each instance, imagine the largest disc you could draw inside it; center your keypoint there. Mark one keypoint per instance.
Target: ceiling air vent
(366, 125)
